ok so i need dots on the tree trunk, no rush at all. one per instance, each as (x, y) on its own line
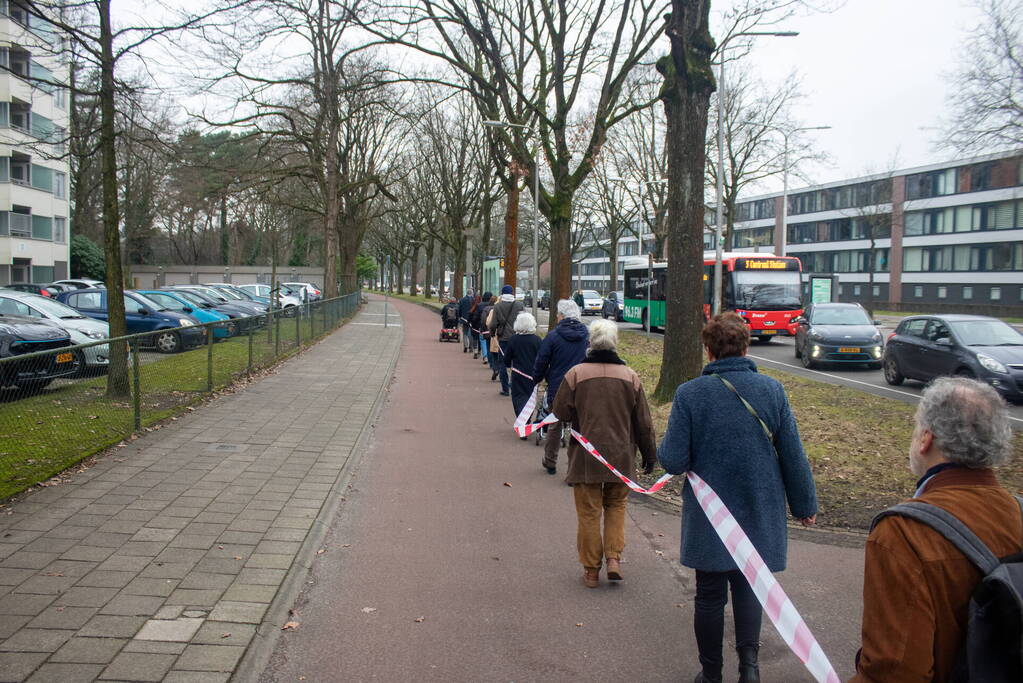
(428, 275)
(511, 234)
(330, 224)
(613, 280)
(117, 374)
(456, 285)
(401, 276)
(225, 237)
(441, 271)
(561, 259)
(349, 266)
(689, 82)
(414, 290)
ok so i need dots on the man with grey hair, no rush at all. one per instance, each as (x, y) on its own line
(917, 585)
(563, 348)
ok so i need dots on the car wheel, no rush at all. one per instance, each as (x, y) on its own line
(892, 375)
(966, 372)
(603, 314)
(799, 354)
(808, 362)
(167, 341)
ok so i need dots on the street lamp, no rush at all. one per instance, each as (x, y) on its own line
(536, 203)
(720, 213)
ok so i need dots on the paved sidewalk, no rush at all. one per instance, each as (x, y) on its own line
(174, 558)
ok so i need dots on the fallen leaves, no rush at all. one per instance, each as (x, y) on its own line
(579, 624)
(225, 635)
(321, 551)
(507, 484)
(369, 610)
(419, 620)
(290, 626)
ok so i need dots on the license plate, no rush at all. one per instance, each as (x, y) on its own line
(849, 349)
(65, 357)
(768, 332)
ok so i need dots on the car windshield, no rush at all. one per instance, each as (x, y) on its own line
(230, 294)
(986, 333)
(767, 290)
(242, 294)
(590, 294)
(55, 308)
(213, 295)
(146, 301)
(839, 316)
(194, 297)
(167, 301)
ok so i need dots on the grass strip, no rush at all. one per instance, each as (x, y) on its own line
(857, 443)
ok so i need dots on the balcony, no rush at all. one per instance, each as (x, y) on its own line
(20, 224)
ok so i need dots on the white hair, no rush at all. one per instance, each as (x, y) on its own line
(603, 335)
(969, 421)
(568, 309)
(525, 323)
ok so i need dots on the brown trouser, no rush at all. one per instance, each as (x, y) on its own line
(592, 501)
(552, 441)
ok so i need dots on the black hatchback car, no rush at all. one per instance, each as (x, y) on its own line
(837, 333)
(927, 346)
(23, 341)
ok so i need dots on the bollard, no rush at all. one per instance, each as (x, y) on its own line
(136, 394)
(209, 359)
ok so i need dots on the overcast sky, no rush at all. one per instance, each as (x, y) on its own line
(875, 70)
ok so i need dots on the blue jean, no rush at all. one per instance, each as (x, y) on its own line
(484, 347)
(501, 368)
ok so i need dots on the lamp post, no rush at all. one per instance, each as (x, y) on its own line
(536, 202)
(720, 212)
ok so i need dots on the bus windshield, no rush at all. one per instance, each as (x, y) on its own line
(767, 290)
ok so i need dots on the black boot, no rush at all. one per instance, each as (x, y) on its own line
(749, 670)
(705, 677)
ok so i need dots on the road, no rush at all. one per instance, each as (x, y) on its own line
(453, 558)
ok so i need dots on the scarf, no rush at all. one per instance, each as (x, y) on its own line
(603, 356)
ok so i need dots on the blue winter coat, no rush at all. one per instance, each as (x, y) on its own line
(464, 304)
(563, 348)
(711, 433)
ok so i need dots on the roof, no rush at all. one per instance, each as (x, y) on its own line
(952, 317)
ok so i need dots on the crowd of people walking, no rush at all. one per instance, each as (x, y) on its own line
(733, 426)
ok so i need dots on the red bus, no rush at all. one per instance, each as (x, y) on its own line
(764, 289)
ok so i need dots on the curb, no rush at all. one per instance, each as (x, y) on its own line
(257, 656)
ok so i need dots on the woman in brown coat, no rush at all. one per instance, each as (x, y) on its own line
(604, 401)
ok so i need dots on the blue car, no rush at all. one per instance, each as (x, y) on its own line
(172, 331)
(174, 302)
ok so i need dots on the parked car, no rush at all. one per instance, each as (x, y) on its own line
(286, 297)
(240, 314)
(593, 303)
(220, 298)
(837, 333)
(172, 331)
(41, 290)
(545, 300)
(20, 335)
(173, 301)
(311, 291)
(82, 329)
(84, 283)
(927, 346)
(614, 306)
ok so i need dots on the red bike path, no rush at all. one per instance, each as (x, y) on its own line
(452, 557)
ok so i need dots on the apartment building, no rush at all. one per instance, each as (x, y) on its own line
(942, 236)
(34, 210)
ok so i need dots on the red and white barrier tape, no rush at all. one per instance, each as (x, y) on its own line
(527, 411)
(772, 597)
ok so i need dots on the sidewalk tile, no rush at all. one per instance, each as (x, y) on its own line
(107, 626)
(225, 633)
(104, 579)
(195, 598)
(9, 624)
(129, 666)
(132, 605)
(155, 587)
(24, 604)
(154, 647)
(242, 612)
(62, 617)
(242, 592)
(36, 640)
(176, 676)
(86, 596)
(176, 630)
(47, 585)
(87, 553)
(66, 673)
(210, 658)
(17, 666)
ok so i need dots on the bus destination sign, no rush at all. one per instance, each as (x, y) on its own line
(766, 264)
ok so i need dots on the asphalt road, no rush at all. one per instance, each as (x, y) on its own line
(452, 558)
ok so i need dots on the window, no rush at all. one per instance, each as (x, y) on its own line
(21, 169)
(967, 292)
(877, 291)
(20, 115)
(60, 185)
(856, 290)
(932, 184)
(59, 230)
(918, 291)
(942, 292)
(980, 177)
(42, 274)
(996, 293)
(60, 98)
(87, 301)
(20, 220)
(12, 307)
(913, 328)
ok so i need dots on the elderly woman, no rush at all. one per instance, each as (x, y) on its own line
(519, 355)
(603, 400)
(712, 432)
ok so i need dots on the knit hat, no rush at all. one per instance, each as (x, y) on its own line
(507, 289)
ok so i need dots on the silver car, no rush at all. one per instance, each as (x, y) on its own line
(83, 330)
(311, 291)
(285, 299)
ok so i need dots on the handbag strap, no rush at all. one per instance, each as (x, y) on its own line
(751, 409)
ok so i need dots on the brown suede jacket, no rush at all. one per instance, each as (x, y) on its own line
(916, 585)
(604, 401)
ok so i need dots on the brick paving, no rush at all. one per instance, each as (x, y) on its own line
(173, 558)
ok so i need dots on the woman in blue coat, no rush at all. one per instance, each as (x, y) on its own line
(712, 433)
(519, 356)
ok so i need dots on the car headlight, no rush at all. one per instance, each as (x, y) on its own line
(185, 323)
(877, 337)
(816, 351)
(991, 364)
(877, 351)
(816, 336)
(94, 334)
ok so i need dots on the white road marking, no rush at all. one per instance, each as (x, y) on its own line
(840, 378)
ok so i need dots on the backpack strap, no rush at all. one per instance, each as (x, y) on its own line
(950, 527)
(750, 408)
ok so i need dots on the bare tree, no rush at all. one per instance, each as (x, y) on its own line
(535, 63)
(688, 84)
(607, 197)
(987, 89)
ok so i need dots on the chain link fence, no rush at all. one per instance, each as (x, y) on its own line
(60, 404)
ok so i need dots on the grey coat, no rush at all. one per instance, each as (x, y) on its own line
(711, 433)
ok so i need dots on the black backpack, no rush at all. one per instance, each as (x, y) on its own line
(993, 649)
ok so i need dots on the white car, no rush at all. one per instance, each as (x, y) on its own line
(312, 292)
(83, 283)
(593, 303)
(285, 299)
(82, 329)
